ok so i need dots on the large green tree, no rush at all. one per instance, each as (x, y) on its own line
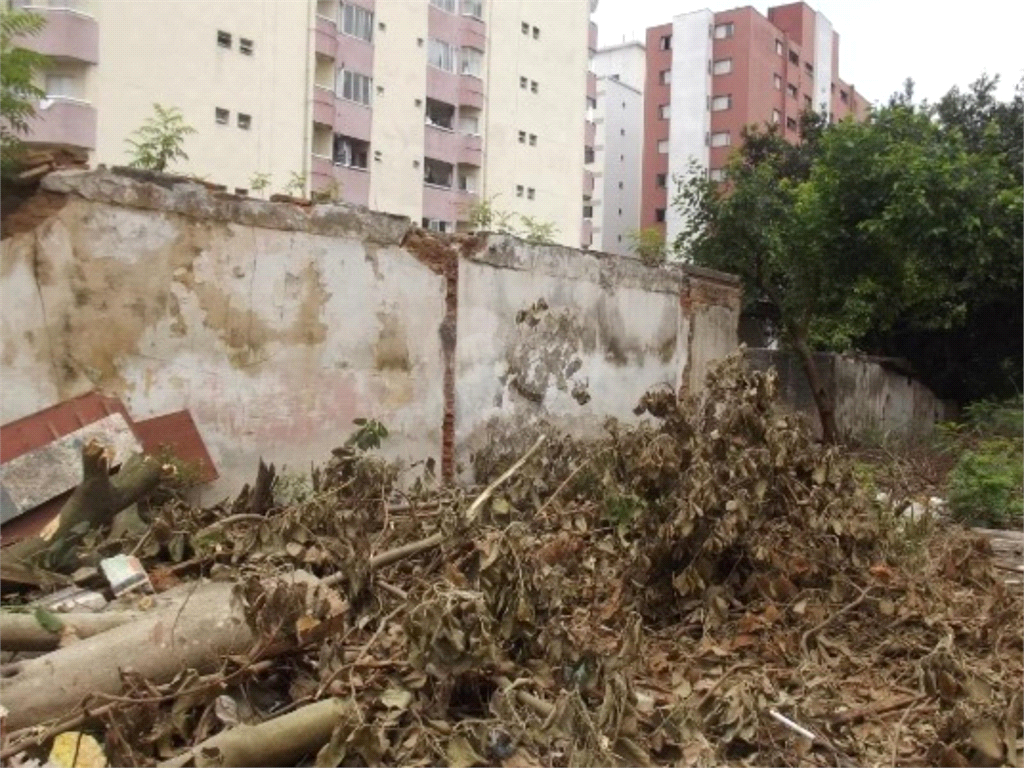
(899, 235)
(19, 71)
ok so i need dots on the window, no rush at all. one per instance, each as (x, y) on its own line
(244, 121)
(807, 101)
(223, 39)
(436, 225)
(522, 82)
(469, 124)
(665, 77)
(663, 147)
(522, 137)
(777, 82)
(536, 33)
(659, 215)
(661, 180)
(533, 139)
(843, 97)
(533, 86)
(622, 131)
(437, 173)
(519, 190)
(588, 154)
(717, 174)
(349, 152)
(722, 67)
(666, 42)
(778, 47)
(793, 58)
(620, 185)
(245, 46)
(722, 31)
(448, 6)
(620, 211)
(467, 183)
(221, 115)
(526, 28)
(791, 123)
(473, 8)
(809, 67)
(529, 193)
(241, 191)
(355, 87)
(357, 22)
(58, 86)
(792, 90)
(441, 55)
(440, 114)
(721, 139)
(588, 211)
(776, 116)
(471, 61)
(664, 111)
(720, 103)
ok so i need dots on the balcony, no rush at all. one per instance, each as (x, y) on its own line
(442, 143)
(466, 29)
(352, 185)
(589, 134)
(323, 105)
(68, 34)
(587, 234)
(592, 37)
(67, 122)
(352, 118)
(446, 204)
(588, 183)
(470, 150)
(355, 53)
(471, 92)
(591, 85)
(326, 37)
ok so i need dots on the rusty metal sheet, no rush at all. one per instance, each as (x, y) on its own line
(46, 472)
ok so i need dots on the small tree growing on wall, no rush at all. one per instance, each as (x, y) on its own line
(19, 93)
(160, 140)
(649, 245)
(483, 216)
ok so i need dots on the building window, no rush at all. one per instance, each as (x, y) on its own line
(474, 8)
(440, 114)
(792, 90)
(807, 101)
(441, 55)
(777, 82)
(666, 42)
(357, 22)
(717, 174)
(588, 211)
(522, 137)
(620, 185)
(223, 39)
(843, 97)
(533, 139)
(525, 27)
(244, 121)
(622, 131)
(720, 103)
(350, 153)
(522, 82)
(470, 124)
(791, 123)
(793, 58)
(437, 173)
(778, 47)
(665, 77)
(661, 181)
(809, 67)
(355, 87)
(519, 190)
(448, 6)
(245, 46)
(467, 183)
(776, 116)
(471, 61)
(588, 155)
(722, 67)
(722, 31)
(529, 193)
(533, 86)
(664, 111)
(659, 215)
(721, 139)
(62, 86)
(663, 147)
(536, 33)
(221, 115)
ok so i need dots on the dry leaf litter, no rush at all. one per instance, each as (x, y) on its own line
(710, 587)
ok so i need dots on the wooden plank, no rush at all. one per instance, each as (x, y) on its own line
(44, 473)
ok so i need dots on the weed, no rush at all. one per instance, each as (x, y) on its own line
(984, 487)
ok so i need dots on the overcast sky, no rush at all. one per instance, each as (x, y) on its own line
(881, 42)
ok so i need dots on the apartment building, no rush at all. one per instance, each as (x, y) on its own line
(711, 74)
(616, 161)
(414, 107)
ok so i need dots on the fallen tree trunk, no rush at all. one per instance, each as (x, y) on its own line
(281, 741)
(23, 632)
(196, 630)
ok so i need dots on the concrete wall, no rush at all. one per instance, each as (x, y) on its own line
(871, 398)
(276, 325)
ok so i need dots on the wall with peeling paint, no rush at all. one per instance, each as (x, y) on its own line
(278, 324)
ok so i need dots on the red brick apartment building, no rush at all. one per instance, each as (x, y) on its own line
(710, 74)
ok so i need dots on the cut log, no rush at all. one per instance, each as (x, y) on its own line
(281, 741)
(23, 632)
(195, 630)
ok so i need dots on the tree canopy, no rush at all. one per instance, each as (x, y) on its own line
(898, 235)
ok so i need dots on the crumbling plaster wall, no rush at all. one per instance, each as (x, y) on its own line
(278, 324)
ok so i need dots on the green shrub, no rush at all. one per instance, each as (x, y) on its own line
(984, 487)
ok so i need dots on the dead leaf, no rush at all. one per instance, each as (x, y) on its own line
(461, 753)
(986, 739)
(396, 698)
(73, 749)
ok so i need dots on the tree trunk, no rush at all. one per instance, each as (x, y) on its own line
(823, 399)
(23, 632)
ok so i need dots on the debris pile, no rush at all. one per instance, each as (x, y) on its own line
(39, 162)
(709, 587)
